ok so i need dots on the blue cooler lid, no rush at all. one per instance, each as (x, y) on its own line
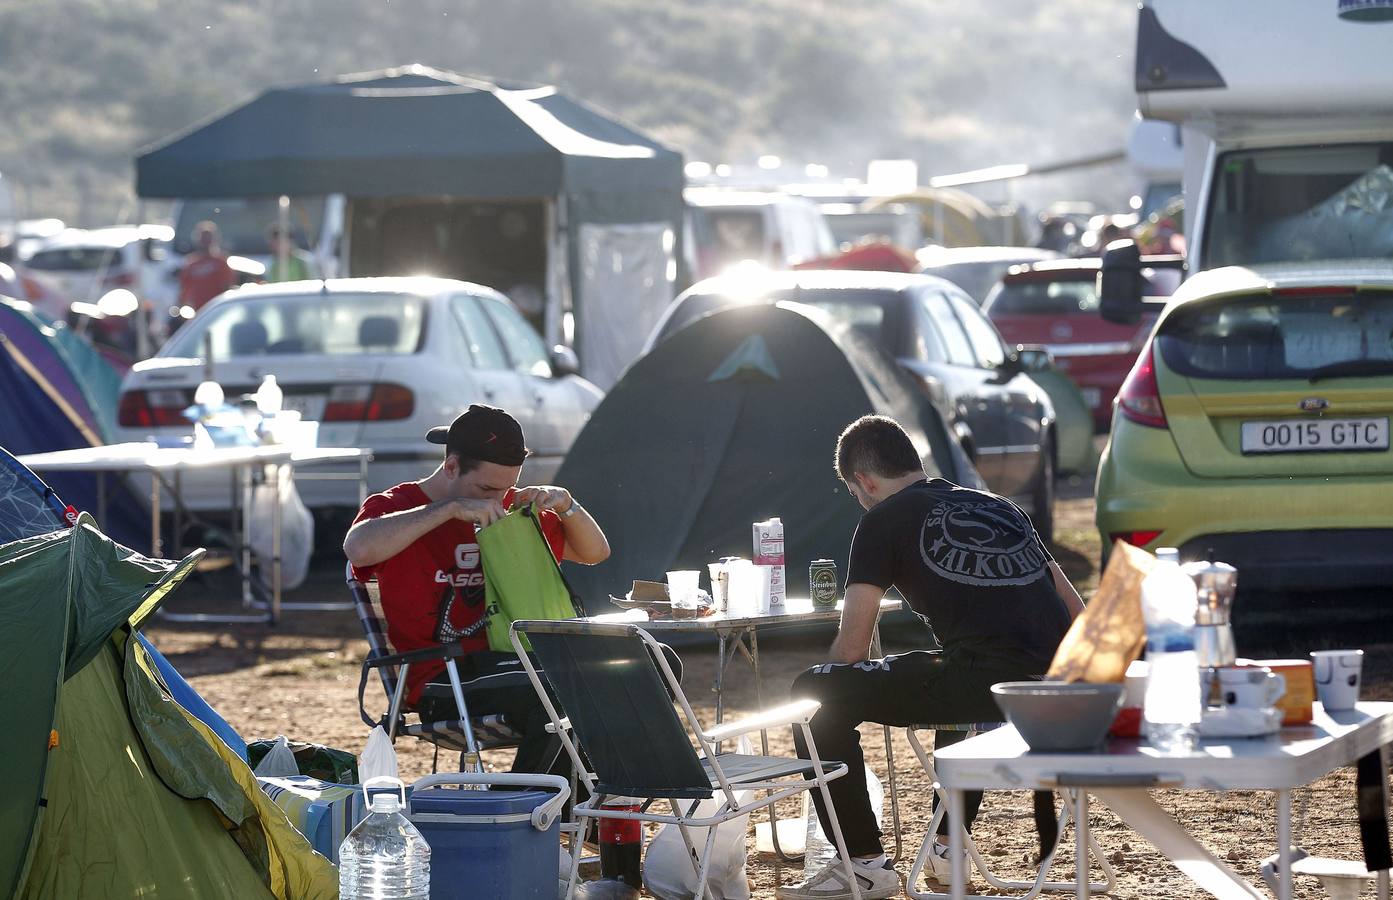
(451, 801)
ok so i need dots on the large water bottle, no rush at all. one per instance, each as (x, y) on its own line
(384, 857)
(817, 849)
(1171, 710)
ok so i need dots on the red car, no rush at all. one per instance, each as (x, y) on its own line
(1055, 303)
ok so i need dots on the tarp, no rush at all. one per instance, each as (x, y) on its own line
(412, 131)
(113, 789)
(762, 394)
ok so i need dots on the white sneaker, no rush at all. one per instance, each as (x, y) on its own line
(940, 864)
(829, 883)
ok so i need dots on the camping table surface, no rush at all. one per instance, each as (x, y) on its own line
(1121, 775)
(166, 464)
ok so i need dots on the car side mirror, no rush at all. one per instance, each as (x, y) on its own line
(1120, 284)
(1034, 357)
(564, 361)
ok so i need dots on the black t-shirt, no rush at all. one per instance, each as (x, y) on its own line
(971, 564)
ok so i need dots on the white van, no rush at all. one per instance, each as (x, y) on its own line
(727, 227)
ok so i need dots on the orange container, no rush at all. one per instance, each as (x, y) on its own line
(1295, 704)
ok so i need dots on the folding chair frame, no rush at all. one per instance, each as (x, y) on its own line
(393, 668)
(974, 855)
(797, 714)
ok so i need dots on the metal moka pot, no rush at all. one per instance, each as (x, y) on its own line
(1215, 584)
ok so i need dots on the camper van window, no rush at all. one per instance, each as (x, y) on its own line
(524, 347)
(338, 324)
(485, 349)
(1301, 204)
(242, 222)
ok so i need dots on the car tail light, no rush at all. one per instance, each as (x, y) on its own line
(1139, 398)
(369, 403)
(1135, 538)
(151, 409)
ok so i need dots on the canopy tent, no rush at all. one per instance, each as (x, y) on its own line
(52, 385)
(765, 391)
(416, 132)
(115, 790)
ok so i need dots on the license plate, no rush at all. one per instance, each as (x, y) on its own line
(1306, 435)
(309, 406)
(1091, 396)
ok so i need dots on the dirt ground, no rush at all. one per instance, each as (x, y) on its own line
(300, 679)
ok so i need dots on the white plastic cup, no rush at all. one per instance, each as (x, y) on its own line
(1338, 673)
(743, 597)
(682, 588)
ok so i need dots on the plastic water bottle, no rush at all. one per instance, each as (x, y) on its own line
(817, 849)
(1171, 710)
(269, 396)
(384, 857)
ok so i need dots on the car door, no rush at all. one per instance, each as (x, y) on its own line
(498, 384)
(552, 406)
(1014, 399)
(976, 415)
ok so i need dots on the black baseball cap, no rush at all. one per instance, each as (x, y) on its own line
(485, 433)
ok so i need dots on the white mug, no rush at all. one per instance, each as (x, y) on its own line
(1338, 673)
(1251, 687)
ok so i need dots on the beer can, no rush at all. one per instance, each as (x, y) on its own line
(822, 583)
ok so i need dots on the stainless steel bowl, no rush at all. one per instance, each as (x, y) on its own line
(1058, 716)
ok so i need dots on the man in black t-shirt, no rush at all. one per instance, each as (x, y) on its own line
(969, 563)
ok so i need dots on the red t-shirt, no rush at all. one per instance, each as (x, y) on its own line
(205, 276)
(433, 591)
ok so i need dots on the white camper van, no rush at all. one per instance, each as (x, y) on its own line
(1286, 119)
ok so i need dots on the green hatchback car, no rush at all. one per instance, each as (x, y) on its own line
(1255, 427)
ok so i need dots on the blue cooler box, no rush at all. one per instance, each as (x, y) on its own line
(491, 843)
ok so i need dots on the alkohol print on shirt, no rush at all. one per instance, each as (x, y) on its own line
(981, 542)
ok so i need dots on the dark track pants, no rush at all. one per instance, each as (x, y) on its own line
(915, 688)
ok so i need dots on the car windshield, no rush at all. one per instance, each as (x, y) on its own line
(1303, 203)
(1313, 337)
(1062, 298)
(242, 222)
(73, 259)
(333, 324)
(975, 278)
(728, 236)
(866, 311)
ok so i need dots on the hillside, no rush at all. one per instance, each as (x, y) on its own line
(953, 85)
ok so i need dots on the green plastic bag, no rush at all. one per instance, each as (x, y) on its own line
(521, 578)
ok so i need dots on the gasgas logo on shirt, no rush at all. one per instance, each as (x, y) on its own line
(981, 542)
(466, 572)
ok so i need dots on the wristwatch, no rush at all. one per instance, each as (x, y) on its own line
(570, 510)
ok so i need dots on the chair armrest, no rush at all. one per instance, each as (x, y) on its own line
(797, 712)
(438, 651)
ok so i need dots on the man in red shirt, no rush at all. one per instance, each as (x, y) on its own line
(418, 540)
(206, 272)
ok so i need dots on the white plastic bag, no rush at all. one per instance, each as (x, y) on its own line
(278, 762)
(667, 868)
(297, 528)
(379, 757)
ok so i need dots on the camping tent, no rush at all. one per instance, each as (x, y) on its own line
(606, 201)
(114, 790)
(56, 394)
(762, 392)
(27, 505)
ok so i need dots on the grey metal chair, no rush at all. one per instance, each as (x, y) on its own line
(625, 738)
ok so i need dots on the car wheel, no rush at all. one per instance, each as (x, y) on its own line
(1042, 497)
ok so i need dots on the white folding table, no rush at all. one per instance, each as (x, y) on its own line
(1121, 776)
(166, 465)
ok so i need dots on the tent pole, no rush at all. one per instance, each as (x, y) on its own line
(144, 312)
(283, 224)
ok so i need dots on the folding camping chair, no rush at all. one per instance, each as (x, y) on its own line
(613, 683)
(974, 855)
(466, 734)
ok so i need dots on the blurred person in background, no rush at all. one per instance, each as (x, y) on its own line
(288, 261)
(206, 272)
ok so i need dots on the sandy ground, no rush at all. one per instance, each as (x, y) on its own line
(300, 679)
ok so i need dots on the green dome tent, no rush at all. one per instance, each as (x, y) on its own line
(113, 789)
(731, 420)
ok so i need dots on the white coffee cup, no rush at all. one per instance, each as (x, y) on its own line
(1250, 687)
(1338, 673)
